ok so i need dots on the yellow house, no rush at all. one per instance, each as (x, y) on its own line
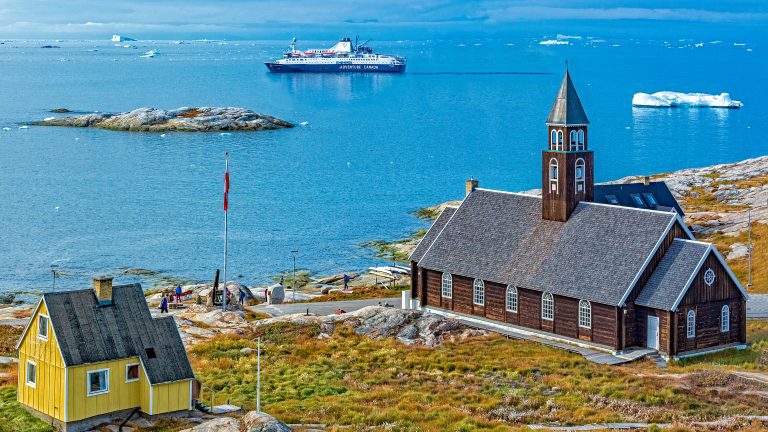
(97, 354)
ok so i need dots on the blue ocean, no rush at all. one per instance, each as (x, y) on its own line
(367, 149)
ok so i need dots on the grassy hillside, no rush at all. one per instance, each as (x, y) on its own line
(484, 383)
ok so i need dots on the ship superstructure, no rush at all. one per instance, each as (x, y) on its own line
(345, 56)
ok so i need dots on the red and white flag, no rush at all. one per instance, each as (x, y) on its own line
(226, 187)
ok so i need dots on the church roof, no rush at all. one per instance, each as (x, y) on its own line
(627, 195)
(437, 226)
(597, 255)
(673, 274)
(89, 333)
(567, 109)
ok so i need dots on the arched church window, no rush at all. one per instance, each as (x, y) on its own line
(559, 140)
(573, 141)
(580, 174)
(581, 139)
(553, 140)
(553, 173)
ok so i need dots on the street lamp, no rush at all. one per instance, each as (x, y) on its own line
(294, 252)
(53, 271)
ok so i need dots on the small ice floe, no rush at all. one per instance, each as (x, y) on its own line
(461, 45)
(130, 46)
(24, 127)
(56, 208)
(225, 134)
(699, 45)
(551, 42)
(48, 118)
(739, 44)
(6, 128)
(304, 123)
(162, 135)
(749, 49)
(562, 36)
(150, 53)
(669, 99)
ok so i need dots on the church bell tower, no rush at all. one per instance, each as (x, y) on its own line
(567, 163)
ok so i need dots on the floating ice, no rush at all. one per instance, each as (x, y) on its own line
(24, 127)
(6, 128)
(304, 123)
(554, 42)
(225, 134)
(667, 99)
(150, 53)
(562, 36)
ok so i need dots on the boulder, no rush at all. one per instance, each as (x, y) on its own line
(186, 119)
(262, 422)
(60, 110)
(276, 294)
(221, 424)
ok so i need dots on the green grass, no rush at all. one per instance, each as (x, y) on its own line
(361, 293)
(483, 383)
(14, 418)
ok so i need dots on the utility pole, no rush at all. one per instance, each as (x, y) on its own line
(749, 248)
(294, 252)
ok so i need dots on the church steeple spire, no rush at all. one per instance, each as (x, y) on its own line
(567, 109)
(567, 176)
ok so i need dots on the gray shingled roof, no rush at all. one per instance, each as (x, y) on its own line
(567, 109)
(434, 230)
(501, 237)
(88, 333)
(671, 276)
(622, 191)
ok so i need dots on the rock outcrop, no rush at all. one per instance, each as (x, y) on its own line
(205, 119)
(412, 327)
(251, 422)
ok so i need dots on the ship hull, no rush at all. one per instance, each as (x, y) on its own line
(334, 68)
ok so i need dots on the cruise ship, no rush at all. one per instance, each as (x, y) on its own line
(345, 56)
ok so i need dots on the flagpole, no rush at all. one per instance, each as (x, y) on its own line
(226, 212)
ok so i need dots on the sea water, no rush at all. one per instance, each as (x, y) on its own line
(367, 149)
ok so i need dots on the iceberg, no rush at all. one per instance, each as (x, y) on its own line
(554, 42)
(669, 99)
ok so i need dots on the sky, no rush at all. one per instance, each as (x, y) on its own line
(281, 19)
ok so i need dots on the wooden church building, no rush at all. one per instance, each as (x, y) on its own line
(604, 274)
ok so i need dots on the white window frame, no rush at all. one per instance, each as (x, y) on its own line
(580, 135)
(553, 140)
(548, 302)
(47, 325)
(559, 140)
(511, 299)
(585, 314)
(553, 180)
(690, 324)
(446, 286)
(725, 319)
(580, 163)
(128, 366)
(88, 374)
(573, 141)
(29, 383)
(478, 292)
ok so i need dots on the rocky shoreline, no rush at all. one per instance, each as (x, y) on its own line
(185, 119)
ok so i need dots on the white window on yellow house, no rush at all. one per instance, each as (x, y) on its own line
(98, 382)
(42, 327)
(131, 372)
(31, 373)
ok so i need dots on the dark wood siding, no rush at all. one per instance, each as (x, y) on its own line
(631, 321)
(707, 303)
(559, 205)
(642, 314)
(566, 323)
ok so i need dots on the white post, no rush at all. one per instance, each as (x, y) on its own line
(226, 213)
(405, 300)
(258, 374)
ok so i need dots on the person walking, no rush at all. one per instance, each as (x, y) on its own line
(346, 281)
(241, 296)
(178, 294)
(164, 305)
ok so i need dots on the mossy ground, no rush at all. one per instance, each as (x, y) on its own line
(361, 293)
(482, 383)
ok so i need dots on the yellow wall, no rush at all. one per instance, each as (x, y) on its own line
(121, 395)
(48, 394)
(171, 397)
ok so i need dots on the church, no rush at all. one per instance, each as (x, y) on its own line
(611, 267)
